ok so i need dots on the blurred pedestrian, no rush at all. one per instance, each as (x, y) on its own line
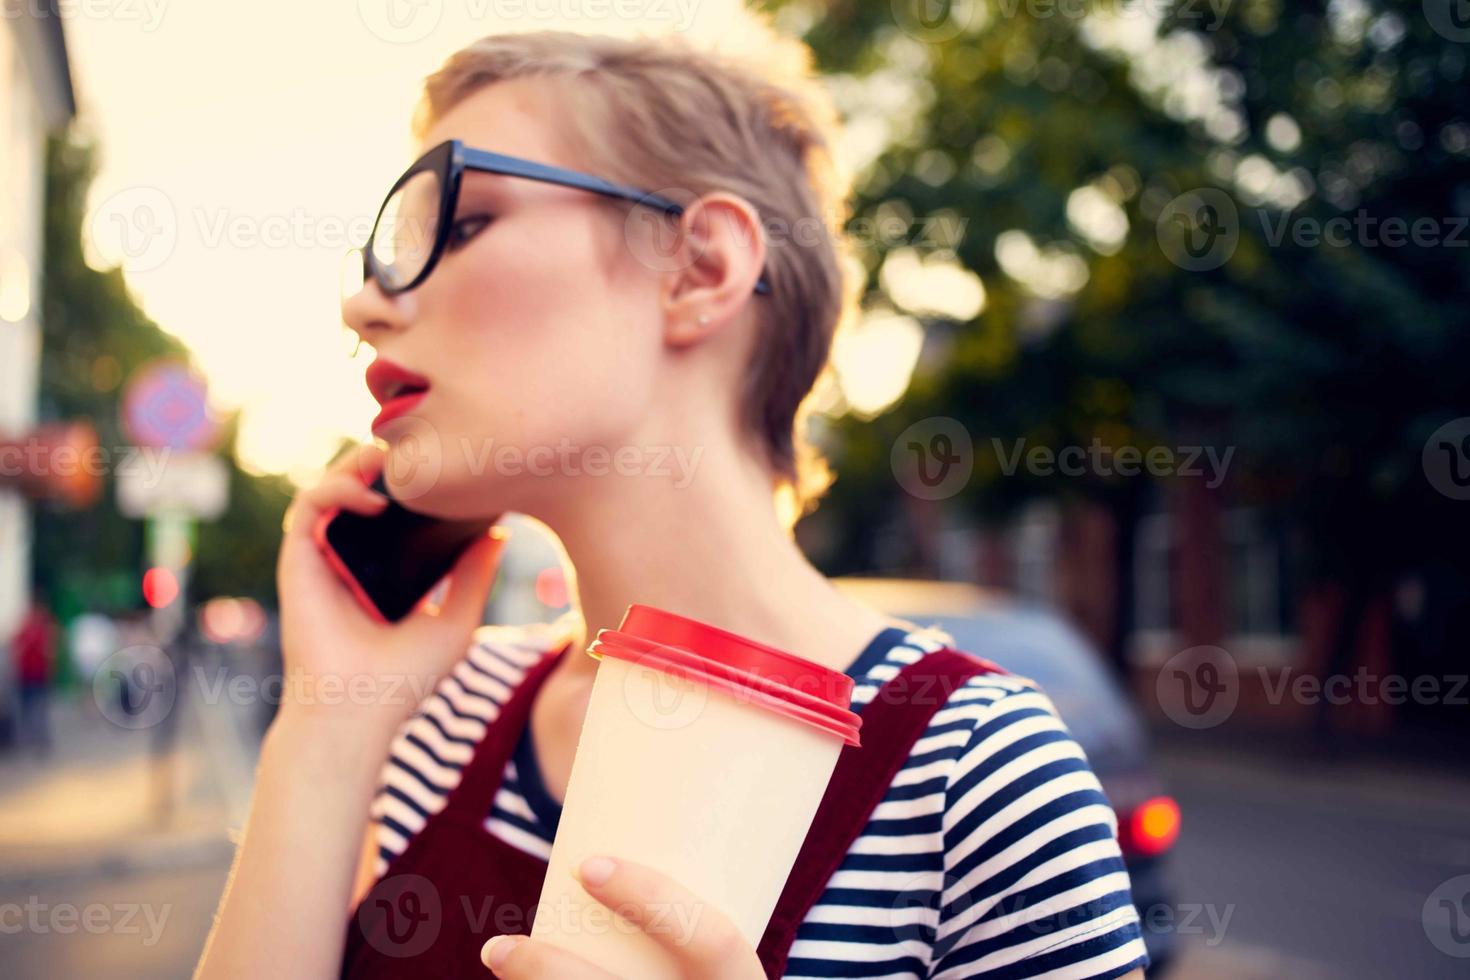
(34, 648)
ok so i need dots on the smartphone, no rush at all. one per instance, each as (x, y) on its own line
(392, 559)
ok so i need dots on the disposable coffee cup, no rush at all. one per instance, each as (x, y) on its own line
(703, 755)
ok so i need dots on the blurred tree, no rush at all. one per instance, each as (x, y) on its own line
(94, 337)
(237, 553)
(1136, 186)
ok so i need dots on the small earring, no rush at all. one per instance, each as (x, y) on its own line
(703, 319)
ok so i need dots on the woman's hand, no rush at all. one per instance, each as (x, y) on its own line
(705, 943)
(339, 662)
(349, 682)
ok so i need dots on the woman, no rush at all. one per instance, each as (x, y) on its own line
(556, 351)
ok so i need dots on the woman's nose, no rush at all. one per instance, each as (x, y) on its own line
(370, 313)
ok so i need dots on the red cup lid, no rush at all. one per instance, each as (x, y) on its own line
(751, 672)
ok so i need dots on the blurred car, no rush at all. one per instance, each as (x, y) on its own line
(1038, 644)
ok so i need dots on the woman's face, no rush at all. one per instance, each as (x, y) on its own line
(538, 332)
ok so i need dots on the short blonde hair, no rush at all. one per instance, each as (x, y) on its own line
(658, 113)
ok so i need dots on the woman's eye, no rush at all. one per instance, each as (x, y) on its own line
(466, 228)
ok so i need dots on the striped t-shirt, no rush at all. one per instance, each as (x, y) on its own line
(993, 854)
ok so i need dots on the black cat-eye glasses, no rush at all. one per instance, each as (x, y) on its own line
(417, 217)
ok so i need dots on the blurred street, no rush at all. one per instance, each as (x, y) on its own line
(1115, 341)
(114, 852)
(1283, 869)
(1315, 871)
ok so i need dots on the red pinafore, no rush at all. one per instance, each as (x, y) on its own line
(456, 885)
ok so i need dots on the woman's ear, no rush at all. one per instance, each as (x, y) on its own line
(722, 253)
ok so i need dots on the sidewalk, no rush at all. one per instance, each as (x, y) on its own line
(108, 798)
(114, 849)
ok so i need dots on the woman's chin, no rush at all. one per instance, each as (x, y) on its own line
(446, 498)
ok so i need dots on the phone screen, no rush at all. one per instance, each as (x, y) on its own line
(397, 556)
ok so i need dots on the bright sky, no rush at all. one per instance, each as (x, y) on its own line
(245, 147)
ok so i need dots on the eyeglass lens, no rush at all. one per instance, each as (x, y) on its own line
(404, 236)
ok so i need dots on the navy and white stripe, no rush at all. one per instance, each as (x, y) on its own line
(993, 853)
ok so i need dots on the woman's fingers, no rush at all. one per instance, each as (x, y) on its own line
(706, 943)
(472, 578)
(522, 958)
(458, 599)
(344, 485)
(344, 491)
(365, 459)
(299, 567)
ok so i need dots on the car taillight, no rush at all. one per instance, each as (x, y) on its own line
(1151, 829)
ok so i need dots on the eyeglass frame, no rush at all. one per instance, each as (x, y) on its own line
(451, 158)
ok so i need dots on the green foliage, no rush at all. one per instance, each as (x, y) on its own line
(94, 337)
(1325, 367)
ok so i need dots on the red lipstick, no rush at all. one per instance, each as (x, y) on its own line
(397, 389)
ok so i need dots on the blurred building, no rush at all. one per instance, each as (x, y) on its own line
(36, 98)
(1198, 568)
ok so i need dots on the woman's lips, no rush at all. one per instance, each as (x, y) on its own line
(396, 406)
(396, 388)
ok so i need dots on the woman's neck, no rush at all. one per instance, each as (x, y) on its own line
(713, 550)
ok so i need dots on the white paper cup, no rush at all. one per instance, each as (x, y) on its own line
(703, 755)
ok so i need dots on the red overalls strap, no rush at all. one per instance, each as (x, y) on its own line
(893, 721)
(456, 885)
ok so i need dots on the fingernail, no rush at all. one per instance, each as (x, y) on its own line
(595, 871)
(497, 949)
